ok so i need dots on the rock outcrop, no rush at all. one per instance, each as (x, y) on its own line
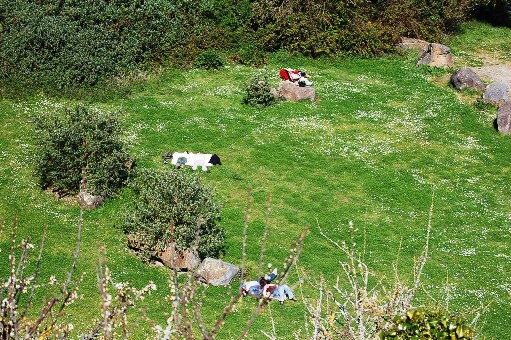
(437, 55)
(291, 91)
(504, 118)
(179, 260)
(216, 272)
(496, 93)
(407, 44)
(88, 201)
(467, 78)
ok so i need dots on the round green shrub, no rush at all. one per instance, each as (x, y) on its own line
(428, 324)
(209, 60)
(173, 206)
(81, 147)
(258, 92)
(253, 55)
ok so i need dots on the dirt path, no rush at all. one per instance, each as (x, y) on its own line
(491, 73)
(494, 70)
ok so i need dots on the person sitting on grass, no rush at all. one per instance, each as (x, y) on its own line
(255, 288)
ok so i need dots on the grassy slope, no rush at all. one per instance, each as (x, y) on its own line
(372, 149)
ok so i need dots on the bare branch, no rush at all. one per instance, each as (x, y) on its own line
(245, 227)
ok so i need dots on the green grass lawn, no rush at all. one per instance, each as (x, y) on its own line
(380, 139)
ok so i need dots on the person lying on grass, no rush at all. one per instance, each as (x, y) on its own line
(278, 292)
(255, 288)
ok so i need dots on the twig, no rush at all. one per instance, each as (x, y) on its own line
(245, 226)
(36, 274)
(265, 235)
(296, 250)
(64, 294)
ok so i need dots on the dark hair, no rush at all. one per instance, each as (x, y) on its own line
(262, 282)
(271, 289)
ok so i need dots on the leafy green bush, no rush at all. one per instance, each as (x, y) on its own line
(62, 46)
(428, 324)
(251, 54)
(173, 206)
(258, 92)
(361, 27)
(208, 60)
(81, 148)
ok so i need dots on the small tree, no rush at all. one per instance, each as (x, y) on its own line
(258, 92)
(81, 148)
(173, 206)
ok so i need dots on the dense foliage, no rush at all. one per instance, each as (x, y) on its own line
(360, 27)
(81, 148)
(62, 46)
(209, 60)
(428, 324)
(173, 206)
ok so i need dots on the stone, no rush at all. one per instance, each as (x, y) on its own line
(88, 201)
(437, 55)
(408, 44)
(291, 91)
(496, 93)
(504, 118)
(216, 272)
(179, 260)
(466, 77)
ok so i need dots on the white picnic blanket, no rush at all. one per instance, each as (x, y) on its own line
(193, 159)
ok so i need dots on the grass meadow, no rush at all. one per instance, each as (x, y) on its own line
(378, 143)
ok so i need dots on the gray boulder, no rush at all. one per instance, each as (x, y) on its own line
(216, 272)
(291, 91)
(466, 77)
(179, 260)
(496, 93)
(437, 55)
(504, 118)
(88, 201)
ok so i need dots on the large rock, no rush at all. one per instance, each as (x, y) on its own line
(216, 272)
(408, 44)
(291, 91)
(89, 201)
(180, 260)
(504, 118)
(496, 93)
(466, 77)
(437, 55)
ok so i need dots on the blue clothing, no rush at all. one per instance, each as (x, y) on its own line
(270, 277)
(281, 292)
(255, 291)
(250, 288)
(253, 288)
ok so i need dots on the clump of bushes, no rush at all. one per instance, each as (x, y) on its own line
(173, 206)
(428, 324)
(60, 47)
(209, 59)
(81, 148)
(258, 92)
(252, 54)
(359, 27)
(63, 47)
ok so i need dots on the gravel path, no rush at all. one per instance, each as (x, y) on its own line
(499, 72)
